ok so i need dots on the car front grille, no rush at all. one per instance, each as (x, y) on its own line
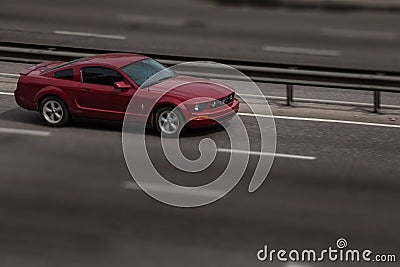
(222, 101)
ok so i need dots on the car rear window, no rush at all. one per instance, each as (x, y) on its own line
(61, 65)
(67, 74)
(100, 75)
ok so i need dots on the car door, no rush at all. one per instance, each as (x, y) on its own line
(98, 97)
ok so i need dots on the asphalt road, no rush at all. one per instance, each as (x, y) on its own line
(199, 28)
(67, 198)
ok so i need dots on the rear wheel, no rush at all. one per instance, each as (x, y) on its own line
(169, 121)
(54, 112)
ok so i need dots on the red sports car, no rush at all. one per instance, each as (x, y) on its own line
(102, 87)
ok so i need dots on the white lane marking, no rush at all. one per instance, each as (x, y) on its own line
(277, 155)
(90, 34)
(143, 19)
(382, 35)
(303, 51)
(6, 93)
(9, 75)
(298, 118)
(265, 96)
(23, 132)
(319, 101)
(320, 120)
(166, 189)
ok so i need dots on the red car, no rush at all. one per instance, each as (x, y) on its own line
(102, 87)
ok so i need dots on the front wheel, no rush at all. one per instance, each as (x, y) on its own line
(54, 112)
(169, 121)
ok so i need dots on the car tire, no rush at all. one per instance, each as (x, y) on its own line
(54, 112)
(169, 122)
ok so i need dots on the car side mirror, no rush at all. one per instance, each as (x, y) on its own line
(121, 85)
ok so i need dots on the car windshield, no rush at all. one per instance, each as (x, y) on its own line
(142, 70)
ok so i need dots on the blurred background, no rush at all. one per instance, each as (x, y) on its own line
(348, 33)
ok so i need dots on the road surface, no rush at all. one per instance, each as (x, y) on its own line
(67, 198)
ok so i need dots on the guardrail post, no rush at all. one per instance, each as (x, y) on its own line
(377, 101)
(289, 94)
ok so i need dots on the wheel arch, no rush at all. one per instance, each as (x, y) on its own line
(166, 104)
(52, 91)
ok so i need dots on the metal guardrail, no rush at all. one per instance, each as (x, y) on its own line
(289, 75)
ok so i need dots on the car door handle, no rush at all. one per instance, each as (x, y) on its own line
(87, 91)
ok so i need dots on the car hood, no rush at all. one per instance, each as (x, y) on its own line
(191, 87)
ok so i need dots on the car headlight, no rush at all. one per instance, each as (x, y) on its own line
(200, 107)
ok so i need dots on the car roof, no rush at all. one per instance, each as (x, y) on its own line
(117, 60)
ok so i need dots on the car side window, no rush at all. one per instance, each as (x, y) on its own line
(100, 75)
(67, 74)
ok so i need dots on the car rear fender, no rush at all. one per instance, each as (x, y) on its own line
(52, 90)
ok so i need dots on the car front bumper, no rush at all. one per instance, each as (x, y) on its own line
(212, 117)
